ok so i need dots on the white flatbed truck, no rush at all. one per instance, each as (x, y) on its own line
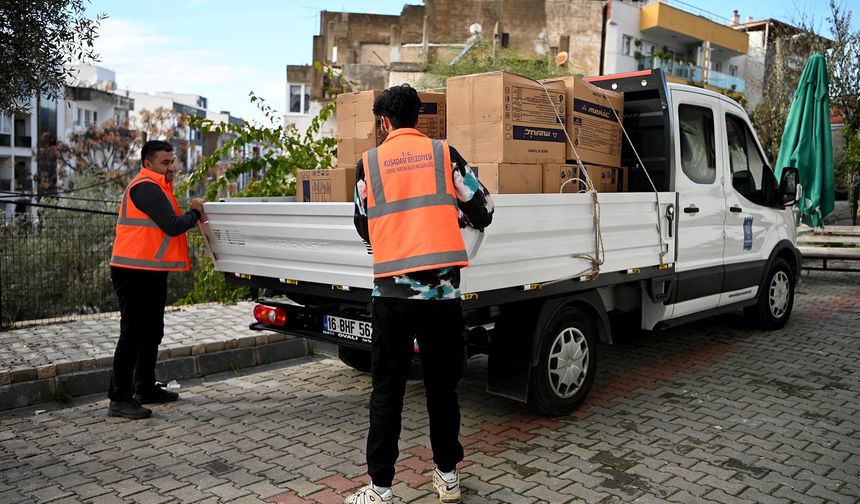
(716, 235)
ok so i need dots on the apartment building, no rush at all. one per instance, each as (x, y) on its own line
(18, 168)
(689, 47)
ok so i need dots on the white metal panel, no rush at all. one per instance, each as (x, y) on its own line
(533, 239)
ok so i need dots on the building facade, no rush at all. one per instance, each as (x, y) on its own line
(18, 168)
(690, 48)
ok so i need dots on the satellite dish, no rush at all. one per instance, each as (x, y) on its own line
(561, 58)
(475, 28)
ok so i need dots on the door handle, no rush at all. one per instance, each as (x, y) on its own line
(735, 209)
(691, 209)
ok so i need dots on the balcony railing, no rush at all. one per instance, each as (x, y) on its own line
(721, 80)
(670, 66)
(5, 140)
(685, 70)
(23, 141)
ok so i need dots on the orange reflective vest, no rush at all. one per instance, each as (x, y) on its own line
(139, 242)
(411, 205)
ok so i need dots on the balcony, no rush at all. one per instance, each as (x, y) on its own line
(666, 21)
(688, 71)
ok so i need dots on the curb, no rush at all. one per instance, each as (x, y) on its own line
(62, 381)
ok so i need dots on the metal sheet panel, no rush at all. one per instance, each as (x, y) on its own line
(533, 239)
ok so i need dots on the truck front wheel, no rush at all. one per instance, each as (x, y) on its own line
(567, 363)
(775, 302)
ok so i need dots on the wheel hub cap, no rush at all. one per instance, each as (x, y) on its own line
(778, 294)
(568, 362)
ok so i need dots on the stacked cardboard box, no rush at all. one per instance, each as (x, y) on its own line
(592, 122)
(334, 184)
(358, 130)
(592, 116)
(509, 178)
(507, 125)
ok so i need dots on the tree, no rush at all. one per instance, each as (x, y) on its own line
(844, 59)
(792, 47)
(281, 150)
(110, 151)
(39, 39)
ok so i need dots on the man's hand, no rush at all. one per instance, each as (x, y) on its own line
(197, 204)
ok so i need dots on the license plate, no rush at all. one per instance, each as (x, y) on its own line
(353, 330)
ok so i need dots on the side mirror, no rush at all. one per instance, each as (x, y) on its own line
(790, 189)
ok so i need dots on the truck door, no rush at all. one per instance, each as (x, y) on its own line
(751, 194)
(702, 208)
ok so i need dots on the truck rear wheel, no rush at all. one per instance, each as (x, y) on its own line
(355, 358)
(567, 363)
(775, 302)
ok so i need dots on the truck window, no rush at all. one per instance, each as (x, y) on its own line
(698, 158)
(746, 163)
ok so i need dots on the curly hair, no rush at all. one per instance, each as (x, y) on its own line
(400, 104)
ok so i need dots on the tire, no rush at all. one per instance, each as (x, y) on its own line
(776, 300)
(567, 363)
(355, 358)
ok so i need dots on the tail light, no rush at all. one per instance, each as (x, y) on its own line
(270, 315)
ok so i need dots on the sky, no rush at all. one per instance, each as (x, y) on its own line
(223, 49)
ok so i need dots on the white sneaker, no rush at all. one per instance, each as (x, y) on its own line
(449, 492)
(367, 495)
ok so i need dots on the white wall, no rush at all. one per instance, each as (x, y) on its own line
(303, 121)
(754, 69)
(624, 20)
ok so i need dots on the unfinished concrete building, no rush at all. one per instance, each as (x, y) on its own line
(373, 51)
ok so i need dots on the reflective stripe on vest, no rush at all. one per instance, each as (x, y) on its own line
(415, 261)
(440, 197)
(157, 262)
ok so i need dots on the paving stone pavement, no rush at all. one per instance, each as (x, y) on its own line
(43, 345)
(710, 412)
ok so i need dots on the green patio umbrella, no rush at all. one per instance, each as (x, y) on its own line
(806, 142)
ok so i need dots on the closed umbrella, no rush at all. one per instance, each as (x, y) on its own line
(806, 142)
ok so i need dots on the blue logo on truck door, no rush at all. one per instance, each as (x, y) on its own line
(748, 234)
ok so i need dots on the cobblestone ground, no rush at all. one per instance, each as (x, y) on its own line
(95, 338)
(711, 412)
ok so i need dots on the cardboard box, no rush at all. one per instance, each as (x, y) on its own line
(555, 175)
(604, 178)
(500, 117)
(333, 184)
(591, 124)
(358, 130)
(607, 178)
(509, 178)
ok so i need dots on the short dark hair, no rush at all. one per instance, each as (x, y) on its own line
(151, 147)
(400, 104)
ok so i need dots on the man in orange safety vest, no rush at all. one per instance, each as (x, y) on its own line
(412, 196)
(150, 241)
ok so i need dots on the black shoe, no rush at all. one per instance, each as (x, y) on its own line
(158, 395)
(128, 409)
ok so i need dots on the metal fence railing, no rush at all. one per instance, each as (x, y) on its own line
(57, 267)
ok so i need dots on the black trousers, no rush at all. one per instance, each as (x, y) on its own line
(142, 295)
(438, 325)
